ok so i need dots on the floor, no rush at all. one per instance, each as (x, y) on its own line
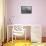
(23, 43)
(18, 43)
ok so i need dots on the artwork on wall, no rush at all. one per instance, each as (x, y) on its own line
(26, 9)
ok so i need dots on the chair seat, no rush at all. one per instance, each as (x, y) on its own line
(18, 33)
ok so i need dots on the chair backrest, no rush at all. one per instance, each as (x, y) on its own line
(18, 30)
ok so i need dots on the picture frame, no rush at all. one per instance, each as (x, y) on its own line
(26, 9)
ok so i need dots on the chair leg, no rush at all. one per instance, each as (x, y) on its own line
(15, 38)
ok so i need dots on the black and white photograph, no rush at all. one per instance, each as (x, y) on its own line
(26, 9)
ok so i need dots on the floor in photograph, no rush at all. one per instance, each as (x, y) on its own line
(23, 43)
(18, 43)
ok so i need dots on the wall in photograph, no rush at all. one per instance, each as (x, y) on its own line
(38, 15)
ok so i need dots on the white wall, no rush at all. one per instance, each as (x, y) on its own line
(38, 15)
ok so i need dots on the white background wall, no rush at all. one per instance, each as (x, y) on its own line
(38, 15)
